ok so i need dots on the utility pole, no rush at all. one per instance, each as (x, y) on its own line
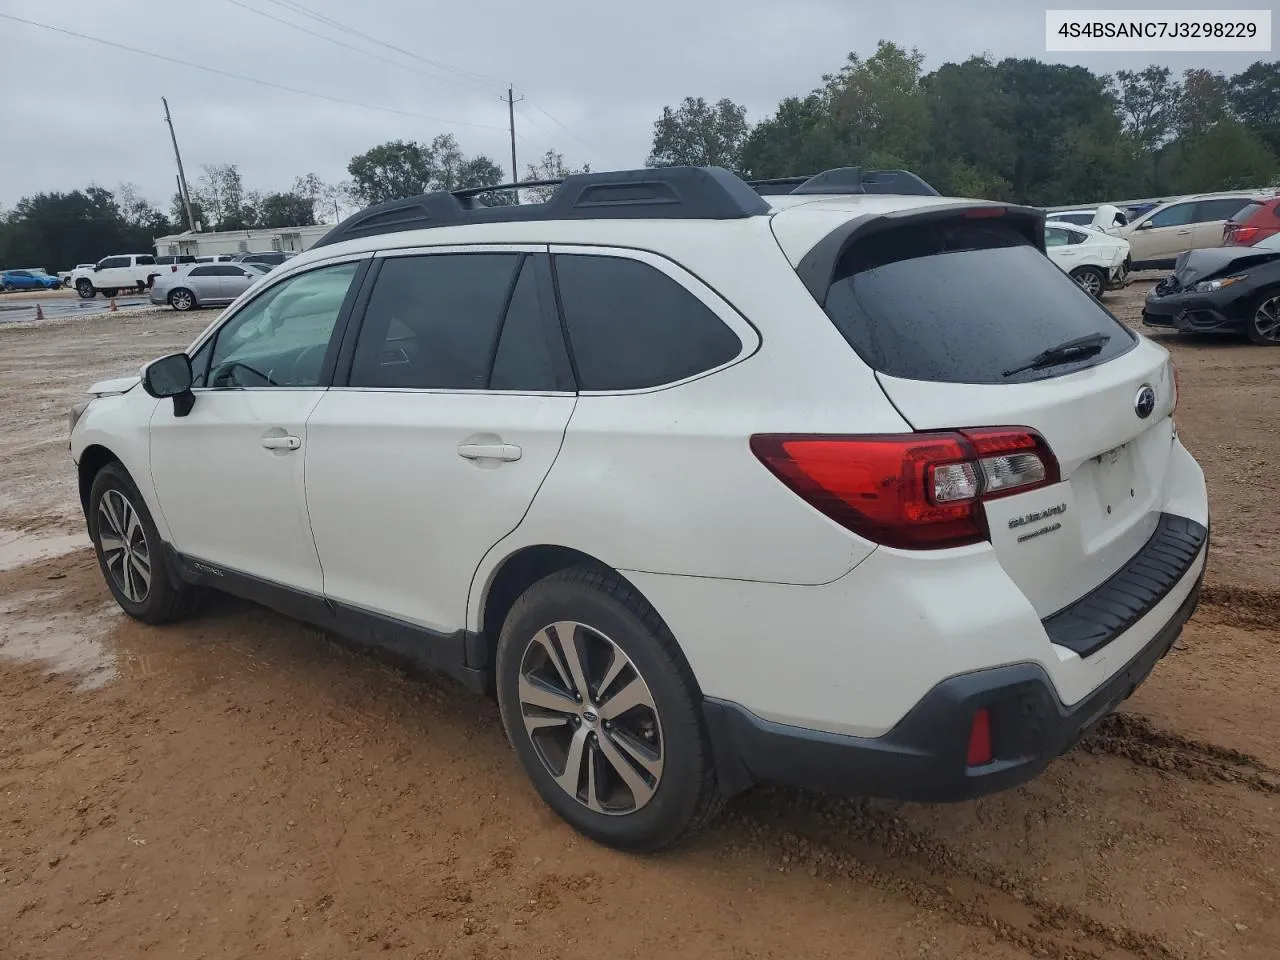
(183, 192)
(511, 120)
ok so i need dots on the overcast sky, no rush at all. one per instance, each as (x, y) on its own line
(594, 76)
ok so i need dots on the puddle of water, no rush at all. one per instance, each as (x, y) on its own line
(18, 548)
(68, 646)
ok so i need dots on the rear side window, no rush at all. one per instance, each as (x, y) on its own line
(962, 301)
(1220, 209)
(433, 321)
(203, 272)
(1245, 212)
(631, 326)
(147, 261)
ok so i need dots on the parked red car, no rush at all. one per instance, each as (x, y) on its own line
(1255, 221)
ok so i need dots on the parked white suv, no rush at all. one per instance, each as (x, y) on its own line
(855, 492)
(110, 275)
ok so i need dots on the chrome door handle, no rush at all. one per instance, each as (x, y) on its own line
(489, 451)
(281, 443)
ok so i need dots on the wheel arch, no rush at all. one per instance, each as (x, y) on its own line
(92, 459)
(492, 599)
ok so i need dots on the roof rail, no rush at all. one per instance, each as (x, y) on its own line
(847, 180)
(669, 193)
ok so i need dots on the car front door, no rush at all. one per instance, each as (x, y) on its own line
(229, 474)
(1212, 216)
(112, 273)
(1164, 234)
(432, 448)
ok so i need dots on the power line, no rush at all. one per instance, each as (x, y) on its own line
(561, 125)
(237, 76)
(345, 28)
(349, 46)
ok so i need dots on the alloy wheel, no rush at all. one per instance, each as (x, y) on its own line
(591, 718)
(123, 542)
(1266, 319)
(181, 300)
(1090, 283)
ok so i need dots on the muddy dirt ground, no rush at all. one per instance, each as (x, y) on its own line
(240, 785)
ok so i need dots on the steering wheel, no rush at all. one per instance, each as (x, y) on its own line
(300, 374)
(229, 366)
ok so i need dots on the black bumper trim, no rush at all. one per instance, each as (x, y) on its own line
(1115, 605)
(923, 758)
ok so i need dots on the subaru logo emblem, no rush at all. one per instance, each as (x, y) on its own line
(1144, 404)
(589, 715)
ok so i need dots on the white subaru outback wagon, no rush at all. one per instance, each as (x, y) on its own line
(811, 482)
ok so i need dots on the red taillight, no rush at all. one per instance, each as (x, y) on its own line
(914, 490)
(980, 739)
(1240, 236)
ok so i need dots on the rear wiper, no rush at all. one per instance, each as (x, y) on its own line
(1077, 349)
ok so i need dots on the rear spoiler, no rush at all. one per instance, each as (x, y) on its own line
(817, 267)
(847, 180)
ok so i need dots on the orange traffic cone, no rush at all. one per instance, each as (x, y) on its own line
(113, 308)
(39, 312)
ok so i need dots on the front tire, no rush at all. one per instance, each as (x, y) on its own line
(9, 288)
(1090, 280)
(1264, 320)
(604, 713)
(130, 552)
(182, 299)
(86, 290)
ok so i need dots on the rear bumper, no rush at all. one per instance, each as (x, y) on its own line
(923, 758)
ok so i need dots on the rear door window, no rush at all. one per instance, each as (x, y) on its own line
(1223, 209)
(631, 326)
(433, 321)
(962, 301)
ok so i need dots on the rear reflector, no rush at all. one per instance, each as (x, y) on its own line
(980, 739)
(915, 491)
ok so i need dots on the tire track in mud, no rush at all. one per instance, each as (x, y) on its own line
(862, 841)
(1135, 739)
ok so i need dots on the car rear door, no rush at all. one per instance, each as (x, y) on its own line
(1212, 217)
(449, 408)
(917, 308)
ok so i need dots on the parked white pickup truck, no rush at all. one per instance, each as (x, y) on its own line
(110, 275)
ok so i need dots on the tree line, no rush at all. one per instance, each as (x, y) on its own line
(57, 230)
(1014, 129)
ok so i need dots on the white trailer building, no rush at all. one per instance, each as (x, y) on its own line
(200, 244)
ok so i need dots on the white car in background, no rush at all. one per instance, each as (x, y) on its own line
(1095, 260)
(1106, 217)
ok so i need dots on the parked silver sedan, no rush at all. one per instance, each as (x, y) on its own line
(205, 284)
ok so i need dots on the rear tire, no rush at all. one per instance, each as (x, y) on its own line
(130, 553)
(182, 299)
(86, 290)
(639, 778)
(1264, 320)
(1090, 280)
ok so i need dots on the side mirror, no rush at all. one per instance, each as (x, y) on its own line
(96, 268)
(171, 377)
(1144, 225)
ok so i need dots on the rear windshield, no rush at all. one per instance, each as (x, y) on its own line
(1245, 212)
(962, 301)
